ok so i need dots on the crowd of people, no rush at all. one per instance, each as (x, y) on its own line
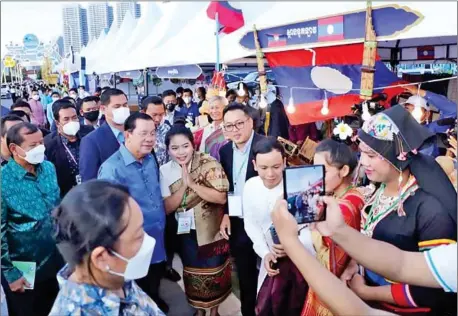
(99, 199)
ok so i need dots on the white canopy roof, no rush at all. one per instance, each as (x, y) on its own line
(185, 35)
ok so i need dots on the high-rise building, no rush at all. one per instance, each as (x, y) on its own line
(123, 7)
(60, 45)
(100, 18)
(75, 27)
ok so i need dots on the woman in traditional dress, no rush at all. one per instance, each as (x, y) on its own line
(339, 162)
(194, 186)
(213, 138)
(414, 209)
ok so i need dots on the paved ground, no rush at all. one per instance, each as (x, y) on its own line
(173, 294)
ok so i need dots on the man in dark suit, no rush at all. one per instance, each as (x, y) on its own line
(104, 141)
(62, 146)
(237, 161)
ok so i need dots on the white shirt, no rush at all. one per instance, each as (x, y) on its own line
(170, 173)
(442, 261)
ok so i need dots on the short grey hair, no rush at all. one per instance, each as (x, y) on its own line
(218, 98)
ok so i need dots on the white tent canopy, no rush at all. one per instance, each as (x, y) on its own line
(185, 35)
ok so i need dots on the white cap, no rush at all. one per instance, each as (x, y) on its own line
(417, 100)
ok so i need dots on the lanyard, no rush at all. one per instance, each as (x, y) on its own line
(70, 153)
(236, 179)
(345, 191)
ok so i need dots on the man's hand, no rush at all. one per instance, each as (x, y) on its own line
(414, 90)
(284, 222)
(334, 219)
(278, 251)
(18, 285)
(268, 259)
(358, 285)
(349, 271)
(225, 227)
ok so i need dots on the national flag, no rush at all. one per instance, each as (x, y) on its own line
(425, 52)
(293, 69)
(331, 29)
(276, 40)
(229, 17)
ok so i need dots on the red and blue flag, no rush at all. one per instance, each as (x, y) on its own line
(229, 17)
(425, 52)
(294, 69)
(331, 29)
(276, 40)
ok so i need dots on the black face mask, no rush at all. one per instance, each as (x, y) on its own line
(171, 107)
(91, 116)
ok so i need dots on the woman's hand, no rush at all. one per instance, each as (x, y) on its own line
(358, 285)
(268, 260)
(349, 271)
(278, 250)
(187, 180)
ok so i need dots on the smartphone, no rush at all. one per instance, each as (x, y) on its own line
(274, 235)
(303, 187)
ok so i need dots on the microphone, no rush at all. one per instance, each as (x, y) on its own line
(448, 121)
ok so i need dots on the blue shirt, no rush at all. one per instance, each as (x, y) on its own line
(118, 134)
(191, 112)
(87, 299)
(239, 166)
(142, 179)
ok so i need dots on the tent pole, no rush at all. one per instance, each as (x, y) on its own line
(217, 42)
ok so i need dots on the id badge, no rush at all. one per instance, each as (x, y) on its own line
(235, 204)
(184, 223)
(78, 179)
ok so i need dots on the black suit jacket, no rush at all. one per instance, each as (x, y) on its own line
(239, 239)
(56, 153)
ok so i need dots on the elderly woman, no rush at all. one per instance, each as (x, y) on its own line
(99, 232)
(213, 138)
(194, 186)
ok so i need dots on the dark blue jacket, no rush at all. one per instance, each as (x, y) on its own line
(95, 148)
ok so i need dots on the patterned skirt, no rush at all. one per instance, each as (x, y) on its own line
(207, 281)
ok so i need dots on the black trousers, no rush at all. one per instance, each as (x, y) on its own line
(246, 261)
(151, 282)
(36, 302)
(172, 245)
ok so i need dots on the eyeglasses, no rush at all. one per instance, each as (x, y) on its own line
(237, 126)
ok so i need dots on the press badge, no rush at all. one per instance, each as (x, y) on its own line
(184, 223)
(235, 204)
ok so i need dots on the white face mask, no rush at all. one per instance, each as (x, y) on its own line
(71, 128)
(35, 155)
(187, 100)
(35, 97)
(137, 266)
(120, 115)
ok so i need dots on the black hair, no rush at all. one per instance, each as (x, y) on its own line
(131, 122)
(88, 217)
(55, 93)
(180, 90)
(230, 92)
(168, 93)
(21, 114)
(90, 98)
(203, 91)
(107, 94)
(188, 90)
(13, 136)
(267, 145)
(151, 100)
(69, 99)
(61, 105)
(82, 87)
(339, 154)
(98, 89)
(9, 118)
(106, 88)
(34, 90)
(21, 104)
(234, 106)
(178, 129)
(73, 90)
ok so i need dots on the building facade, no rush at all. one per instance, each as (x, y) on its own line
(124, 6)
(100, 18)
(74, 27)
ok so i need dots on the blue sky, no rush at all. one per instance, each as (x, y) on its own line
(299, 179)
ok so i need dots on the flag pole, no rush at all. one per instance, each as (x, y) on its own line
(217, 42)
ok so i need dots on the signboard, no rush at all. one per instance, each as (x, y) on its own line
(134, 74)
(348, 27)
(30, 41)
(179, 72)
(9, 63)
